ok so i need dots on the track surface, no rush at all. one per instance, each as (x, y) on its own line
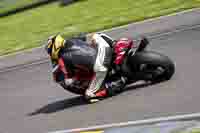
(32, 103)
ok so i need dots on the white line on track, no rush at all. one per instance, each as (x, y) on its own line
(38, 62)
(153, 19)
(186, 28)
(134, 123)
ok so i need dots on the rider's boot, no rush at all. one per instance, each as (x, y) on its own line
(97, 96)
(110, 89)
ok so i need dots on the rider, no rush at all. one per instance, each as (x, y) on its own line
(76, 52)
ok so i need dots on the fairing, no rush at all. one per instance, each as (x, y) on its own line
(121, 48)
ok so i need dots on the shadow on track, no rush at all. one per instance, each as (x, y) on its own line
(59, 105)
(76, 101)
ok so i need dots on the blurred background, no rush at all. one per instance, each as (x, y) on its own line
(9, 7)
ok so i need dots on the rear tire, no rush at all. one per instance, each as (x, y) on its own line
(152, 60)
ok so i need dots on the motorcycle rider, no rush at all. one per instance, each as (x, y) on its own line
(68, 53)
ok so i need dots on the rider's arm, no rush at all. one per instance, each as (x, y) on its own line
(62, 67)
(61, 74)
(59, 66)
(55, 68)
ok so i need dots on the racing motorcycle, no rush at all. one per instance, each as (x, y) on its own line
(138, 64)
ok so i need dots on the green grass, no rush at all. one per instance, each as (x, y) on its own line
(28, 29)
(7, 5)
(195, 130)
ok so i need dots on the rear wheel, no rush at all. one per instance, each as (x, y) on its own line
(151, 66)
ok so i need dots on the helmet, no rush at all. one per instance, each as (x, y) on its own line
(54, 44)
(49, 45)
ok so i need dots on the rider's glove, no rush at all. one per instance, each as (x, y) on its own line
(69, 81)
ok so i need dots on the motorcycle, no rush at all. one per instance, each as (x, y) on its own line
(138, 64)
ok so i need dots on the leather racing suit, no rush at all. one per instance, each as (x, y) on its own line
(76, 52)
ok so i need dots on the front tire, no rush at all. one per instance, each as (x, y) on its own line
(152, 66)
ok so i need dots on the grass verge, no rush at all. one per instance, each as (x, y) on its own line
(7, 5)
(27, 29)
(195, 131)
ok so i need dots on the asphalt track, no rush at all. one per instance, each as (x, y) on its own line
(32, 103)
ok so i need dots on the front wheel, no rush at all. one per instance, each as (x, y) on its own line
(151, 66)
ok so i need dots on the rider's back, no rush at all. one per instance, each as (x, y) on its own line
(78, 53)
